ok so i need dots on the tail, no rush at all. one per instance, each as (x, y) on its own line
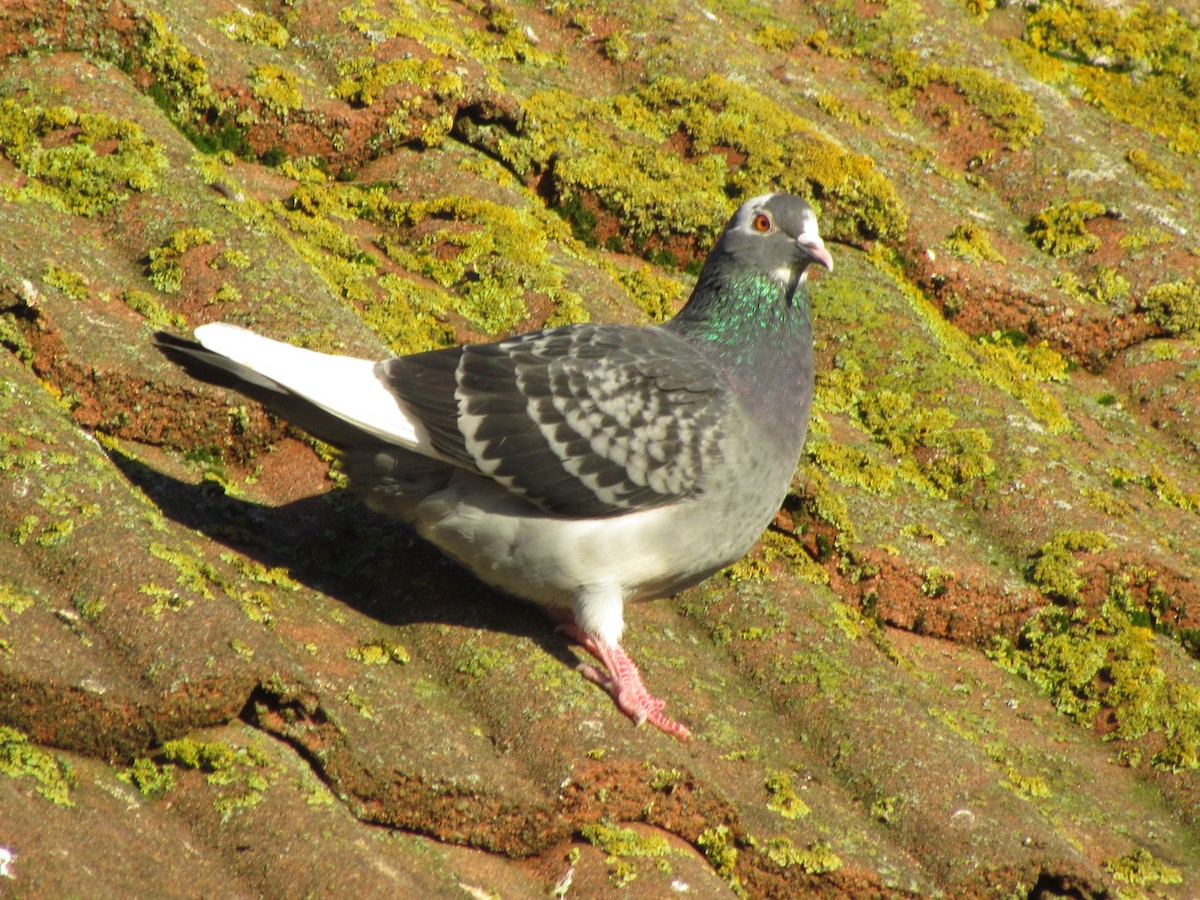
(338, 399)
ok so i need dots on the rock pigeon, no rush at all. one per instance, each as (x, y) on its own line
(585, 466)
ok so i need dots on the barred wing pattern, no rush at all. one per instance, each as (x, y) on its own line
(582, 421)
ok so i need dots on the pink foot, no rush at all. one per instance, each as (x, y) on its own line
(623, 682)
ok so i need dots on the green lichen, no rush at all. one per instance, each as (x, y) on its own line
(851, 466)
(1055, 570)
(935, 454)
(490, 255)
(1140, 869)
(1136, 62)
(70, 283)
(158, 316)
(379, 653)
(55, 147)
(364, 81)
(13, 600)
(994, 362)
(782, 797)
(181, 86)
(277, 89)
(166, 268)
(217, 759)
(482, 660)
(776, 37)
(245, 769)
(1106, 664)
(615, 46)
(818, 859)
(657, 296)
(623, 842)
(618, 151)
(53, 778)
(1168, 491)
(1174, 306)
(970, 241)
(1061, 230)
(1106, 286)
(194, 574)
(1011, 112)
(1153, 172)
(252, 28)
(1034, 787)
(718, 847)
(150, 778)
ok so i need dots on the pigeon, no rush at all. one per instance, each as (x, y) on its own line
(580, 467)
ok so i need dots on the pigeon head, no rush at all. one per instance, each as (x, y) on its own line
(773, 234)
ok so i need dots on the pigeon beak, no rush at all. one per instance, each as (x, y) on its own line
(813, 248)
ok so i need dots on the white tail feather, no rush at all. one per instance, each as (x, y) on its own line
(343, 386)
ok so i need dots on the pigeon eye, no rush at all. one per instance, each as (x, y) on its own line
(762, 223)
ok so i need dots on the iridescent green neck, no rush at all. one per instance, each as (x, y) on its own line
(747, 319)
(761, 338)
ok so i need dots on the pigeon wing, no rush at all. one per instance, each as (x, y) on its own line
(582, 421)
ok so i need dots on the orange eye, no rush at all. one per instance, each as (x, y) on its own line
(762, 223)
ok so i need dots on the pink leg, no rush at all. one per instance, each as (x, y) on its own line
(624, 683)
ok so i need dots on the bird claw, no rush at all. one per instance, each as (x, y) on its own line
(622, 681)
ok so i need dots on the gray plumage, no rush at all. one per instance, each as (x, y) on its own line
(579, 467)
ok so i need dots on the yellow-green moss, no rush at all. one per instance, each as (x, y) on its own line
(70, 283)
(776, 37)
(1140, 868)
(1055, 571)
(53, 147)
(1153, 172)
(490, 255)
(13, 600)
(617, 841)
(718, 847)
(219, 760)
(379, 653)
(144, 304)
(818, 859)
(166, 270)
(252, 28)
(1106, 662)
(181, 77)
(935, 454)
(151, 779)
(620, 844)
(851, 466)
(657, 296)
(970, 241)
(364, 81)
(1174, 305)
(615, 46)
(1137, 62)
(994, 362)
(19, 758)
(1061, 230)
(1009, 110)
(616, 150)
(277, 89)
(1106, 286)
(482, 660)
(782, 797)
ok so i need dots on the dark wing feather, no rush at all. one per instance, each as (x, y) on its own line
(585, 421)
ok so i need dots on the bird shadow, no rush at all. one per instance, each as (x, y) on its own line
(334, 544)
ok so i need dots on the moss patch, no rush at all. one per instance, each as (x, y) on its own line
(1106, 662)
(76, 162)
(1175, 306)
(1061, 230)
(20, 759)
